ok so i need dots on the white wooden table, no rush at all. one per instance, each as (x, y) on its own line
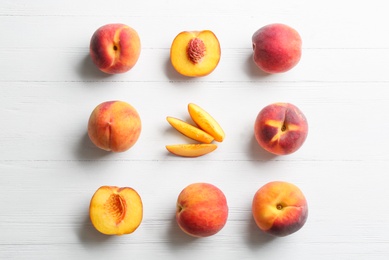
(49, 169)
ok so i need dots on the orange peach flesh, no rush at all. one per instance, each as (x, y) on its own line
(189, 130)
(116, 211)
(281, 128)
(195, 53)
(115, 48)
(191, 150)
(279, 208)
(201, 210)
(206, 122)
(114, 126)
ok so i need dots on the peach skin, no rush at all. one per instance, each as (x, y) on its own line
(202, 210)
(276, 47)
(279, 208)
(114, 126)
(115, 48)
(281, 128)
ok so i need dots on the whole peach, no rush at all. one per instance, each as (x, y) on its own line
(115, 48)
(201, 210)
(279, 208)
(114, 126)
(281, 128)
(277, 48)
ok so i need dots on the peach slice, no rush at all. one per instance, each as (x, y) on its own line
(195, 53)
(191, 150)
(190, 130)
(206, 122)
(116, 211)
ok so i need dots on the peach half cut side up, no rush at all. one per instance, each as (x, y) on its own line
(195, 53)
(116, 211)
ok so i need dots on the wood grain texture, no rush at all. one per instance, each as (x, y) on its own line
(49, 169)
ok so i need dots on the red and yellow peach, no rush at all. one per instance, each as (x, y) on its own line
(202, 210)
(114, 126)
(115, 48)
(277, 48)
(279, 208)
(281, 128)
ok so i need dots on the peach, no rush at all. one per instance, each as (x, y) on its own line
(195, 53)
(116, 211)
(114, 126)
(202, 210)
(281, 128)
(191, 150)
(206, 122)
(279, 208)
(115, 48)
(190, 130)
(277, 48)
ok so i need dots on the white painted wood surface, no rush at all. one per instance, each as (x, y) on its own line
(49, 169)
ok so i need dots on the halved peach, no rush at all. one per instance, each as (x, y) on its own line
(191, 150)
(195, 53)
(206, 122)
(116, 211)
(190, 130)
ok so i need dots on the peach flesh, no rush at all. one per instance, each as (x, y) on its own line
(116, 210)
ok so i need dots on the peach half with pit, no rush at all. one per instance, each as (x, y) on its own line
(281, 128)
(114, 126)
(279, 208)
(115, 48)
(116, 211)
(195, 53)
(277, 48)
(202, 210)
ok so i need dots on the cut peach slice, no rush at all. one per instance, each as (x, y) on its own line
(116, 211)
(206, 122)
(191, 150)
(195, 53)
(190, 130)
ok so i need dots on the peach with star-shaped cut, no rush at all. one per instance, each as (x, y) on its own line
(281, 128)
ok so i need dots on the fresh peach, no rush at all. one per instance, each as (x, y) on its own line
(202, 210)
(281, 128)
(206, 122)
(277, 48)
(116, 211)
(114, 126)
(115, 48)
(279, 208)
(190, 130)
(191, 150)
(195, 53)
